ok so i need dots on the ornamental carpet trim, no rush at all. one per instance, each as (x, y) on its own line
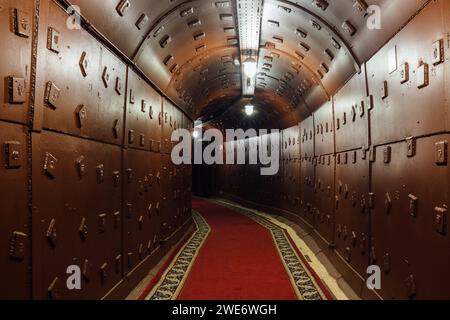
(171, 283)
(303, 282)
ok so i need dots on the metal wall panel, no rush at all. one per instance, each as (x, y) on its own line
(307, 136)
(324, 128)
(16, 25)
(404, 105)
(77, 216)
(14, 219)
(307, 176)
(410, 234)
(124, 23)
(142, 205)
(87, 210)
(169, 192)
(144, 106)
(352, 209)
(324, 197)
(166, 119)
(307, 169)
(351, 114)
(187, 177)
(82, 87)
(291, 169)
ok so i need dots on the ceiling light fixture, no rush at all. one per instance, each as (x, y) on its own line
(249, 110)
(249, 20)
(250, 67)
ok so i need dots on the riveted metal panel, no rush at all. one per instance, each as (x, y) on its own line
(295, 30)
(169, 194)
(82, 88)
(187, 178)
(142, 205)
(77, 216)
(14, 223)
(403, 107)
(352, 210)
(351, 114)
(307, 136)
(125, 23)
(307, 176)
(307, 169)
(16, 23)
(324, 129)
(143, 111)
(291, 169)
(179, 35)
(324, 197)
(404, 221)
(166, 117)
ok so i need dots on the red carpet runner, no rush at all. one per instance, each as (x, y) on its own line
(238, 261)
(236, 256)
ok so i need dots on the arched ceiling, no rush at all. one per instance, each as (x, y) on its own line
(190, 50)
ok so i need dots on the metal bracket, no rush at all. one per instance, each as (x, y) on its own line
(17, 246)
(16, 90)
(50, 165)
(12, 154)
(53, 40)
(52, 94)
(21, 23)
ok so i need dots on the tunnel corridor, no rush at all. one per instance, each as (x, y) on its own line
(224, 149)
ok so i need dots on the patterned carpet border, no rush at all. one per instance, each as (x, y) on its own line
(302, 281)
(171, 283)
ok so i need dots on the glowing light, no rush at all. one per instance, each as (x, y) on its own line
(196, 134)
(249, 109)
(250, 67)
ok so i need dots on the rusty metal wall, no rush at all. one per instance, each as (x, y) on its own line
(84, 179)
(374, 167)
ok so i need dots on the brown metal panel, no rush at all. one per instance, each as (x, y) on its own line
(177, 35)
(324, 128)
(125, 23)
(307, 176)
(77, 217)
(143, 129)
(83, 86)
(307, 136)
(16, 25)
(410, 192)
(401, 108)
(166, 119)
(304, 38)
(352, 209)
(187, 176)
(324, 197)
(142, 205)
(168, 192)
(291, 169)
(446, 20)
(351, 114)
(307, 169)
(14, 224)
